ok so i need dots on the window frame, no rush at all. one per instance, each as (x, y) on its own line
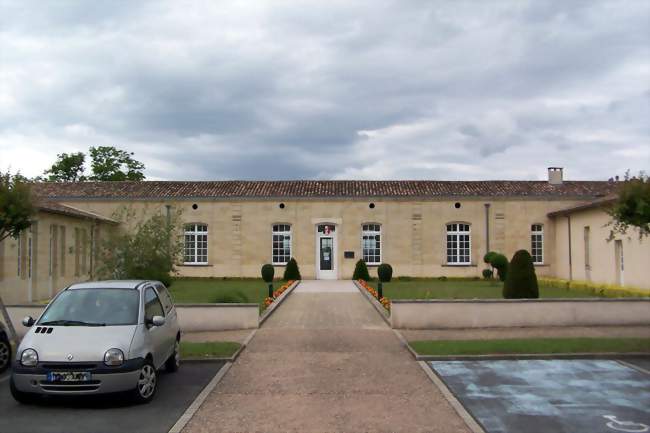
(379, 233)
(457, 249)
(191, 229)
(540, 241)
(279, 232)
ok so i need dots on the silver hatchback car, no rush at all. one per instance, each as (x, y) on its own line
(96, 338)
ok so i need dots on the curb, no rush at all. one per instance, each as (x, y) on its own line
(224, 358)
(527, 356)
(198, 401)
(469, 420)
(375, 303)
(265, 315)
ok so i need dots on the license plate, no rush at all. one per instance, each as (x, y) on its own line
(68, 376)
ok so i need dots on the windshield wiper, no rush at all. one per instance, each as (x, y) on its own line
(71, 323)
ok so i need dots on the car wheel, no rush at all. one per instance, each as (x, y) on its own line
(19, 396)
(5, 355)
(174, 361)
(147, 384)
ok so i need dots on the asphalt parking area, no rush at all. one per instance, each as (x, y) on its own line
(551, 395)
(107, 414)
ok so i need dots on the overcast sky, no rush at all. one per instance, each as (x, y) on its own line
(330, 89)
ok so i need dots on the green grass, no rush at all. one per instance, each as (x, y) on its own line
(210, 349)
(213, 290)
(531, 346)
(433, 288)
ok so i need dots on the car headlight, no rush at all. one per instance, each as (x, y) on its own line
(29, 358)
(113, 357)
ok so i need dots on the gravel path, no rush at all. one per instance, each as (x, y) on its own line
(326, 362)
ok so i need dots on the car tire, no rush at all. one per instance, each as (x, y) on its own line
(147, 384)
(174, 361)
(5, 354)
(19, 396)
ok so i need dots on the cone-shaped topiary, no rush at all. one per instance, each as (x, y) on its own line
(267, 273)
(361, 271)
(521, 281)
(291, 271)
(385, 272)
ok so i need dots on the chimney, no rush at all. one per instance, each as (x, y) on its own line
(555, 176)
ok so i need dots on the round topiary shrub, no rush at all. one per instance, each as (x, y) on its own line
(361, 271)
(500, 263)
(267, 273)
(487, 258)
(521, 281)
(488, 274)
(385, 272)
(291, 271)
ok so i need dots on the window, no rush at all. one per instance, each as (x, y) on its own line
(281, 244)
(371, 243)
(458, 244)
(152, 305)
(63, 250)
(165, 297)
(19, 254)
(587, 236)
(196, 244)
(537, 243)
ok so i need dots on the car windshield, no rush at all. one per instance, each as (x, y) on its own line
(93, 307)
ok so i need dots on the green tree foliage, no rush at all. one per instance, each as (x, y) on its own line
(632, 208)
(267, 273)
(521, 281)
(67, 168)
(385, 272)
(361, 271)
(111, 164)
(16, 208)
(149, 250)
(291, 271)
(499, 262)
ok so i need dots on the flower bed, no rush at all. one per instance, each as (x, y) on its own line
(276, 293)
(385, 302)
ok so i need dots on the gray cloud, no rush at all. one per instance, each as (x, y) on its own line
(452, 90)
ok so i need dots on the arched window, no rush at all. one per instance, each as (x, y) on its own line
(458, 244)
(371, 243)
(281, 252)
(195, 251)
(537, 243)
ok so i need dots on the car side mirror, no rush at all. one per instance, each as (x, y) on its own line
(158, 321)
(28, 321)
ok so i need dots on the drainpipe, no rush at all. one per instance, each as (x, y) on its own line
(568, 218)
(487, 227)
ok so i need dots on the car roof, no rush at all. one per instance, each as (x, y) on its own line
(110, 284)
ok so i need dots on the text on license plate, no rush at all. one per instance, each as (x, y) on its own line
(68, 376)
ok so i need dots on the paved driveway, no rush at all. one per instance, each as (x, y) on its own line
(98, 415)
(325, 361)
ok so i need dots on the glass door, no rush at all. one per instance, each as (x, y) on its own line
(326, 254)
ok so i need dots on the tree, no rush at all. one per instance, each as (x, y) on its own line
(499, 262)
(291, 271)
(268, 271)
(67, 168)
(16, 211)
(111, 164)
(632, 207)
(521, 281)
(149, 251)
(385, 274)
(361, 271)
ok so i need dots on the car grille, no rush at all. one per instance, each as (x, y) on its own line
(92, 385)
(69, 366)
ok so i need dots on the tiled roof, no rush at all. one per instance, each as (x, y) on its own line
(320, 189)
(603, 202)
(49, 206)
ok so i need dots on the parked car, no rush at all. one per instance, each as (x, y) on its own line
(97, 338)
(5, 349)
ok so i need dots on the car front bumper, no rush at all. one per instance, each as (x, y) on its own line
(104, 380)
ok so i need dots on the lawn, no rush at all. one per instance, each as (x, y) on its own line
(211, 349)
(433, 288)
(216, 290)
(531, 346)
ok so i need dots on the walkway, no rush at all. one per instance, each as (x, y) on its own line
(325, 362)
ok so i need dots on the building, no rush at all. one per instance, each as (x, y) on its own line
(422, 228)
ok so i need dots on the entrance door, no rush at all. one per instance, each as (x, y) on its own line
(326, 251)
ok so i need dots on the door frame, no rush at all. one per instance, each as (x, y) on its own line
(334, 273)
